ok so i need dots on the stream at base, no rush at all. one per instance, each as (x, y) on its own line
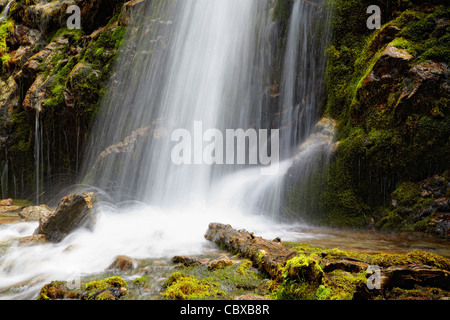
(145, 233)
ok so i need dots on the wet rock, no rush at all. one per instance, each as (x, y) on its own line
(384, 36)
(57, 290)
(6, 202)
(10, 209)
(219, 263)
(81, 74)
(123, 263)
(33, 240)
(35, 213)
(441, 205)
(426, 81)
(73, 212)
(406, 277)
(434, 186)
(108, 289)
(189, 261)
(131, 10)
(121, 151)
(9, 94)
(392, 63)
(96, 13)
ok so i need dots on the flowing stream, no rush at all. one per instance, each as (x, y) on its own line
(190, 62)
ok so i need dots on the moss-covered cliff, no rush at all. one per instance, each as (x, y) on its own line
(389, 91)
(52, 80)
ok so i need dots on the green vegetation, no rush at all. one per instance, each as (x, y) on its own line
(184, 287)
(100, 289)
(384, 141)
(6, 28)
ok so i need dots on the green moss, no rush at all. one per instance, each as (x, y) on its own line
(22, 203)
(378, 147)
(244, 267)
(96, 290)
(56, 290)
(6, 29)
(140, 282)
(303, 268)
(407, 194)
(184, 287)
(73, 34)
(422, 293)
(282, 10)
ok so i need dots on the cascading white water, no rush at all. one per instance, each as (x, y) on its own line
(202, 61)
(5, 11)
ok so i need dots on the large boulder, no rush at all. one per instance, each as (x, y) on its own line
(73, 212)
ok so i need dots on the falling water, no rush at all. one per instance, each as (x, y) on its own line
(199, 61)
(38, 156)
(5, 12)
(213, 74)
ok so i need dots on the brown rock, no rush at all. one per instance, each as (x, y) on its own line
(406, 277)
(74, 211)
(6, 202)
(189, 261)
(123, 263)
(33, 240)
(392, 63)
(426, 80)
(219, 263)
(34, 213)
(131, 10)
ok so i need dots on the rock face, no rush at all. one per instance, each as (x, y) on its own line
(73, 212)
(52, 81)
(131, 11)
(426, 207)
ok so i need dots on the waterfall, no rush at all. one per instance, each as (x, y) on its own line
(38, 155)
(213, 74)
(212, 69)
(186, 63)
(5, 12)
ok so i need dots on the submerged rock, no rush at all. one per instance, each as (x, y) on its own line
(73, 212)
(33, 240)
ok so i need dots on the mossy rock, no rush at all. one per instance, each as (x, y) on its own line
(184, 287)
